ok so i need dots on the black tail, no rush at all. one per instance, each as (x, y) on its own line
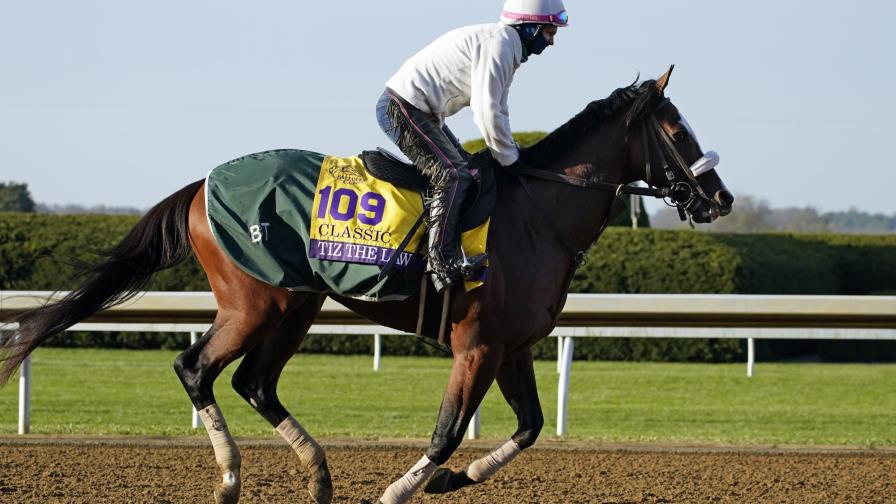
(159, 241)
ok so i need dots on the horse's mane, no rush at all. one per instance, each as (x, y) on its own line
(634, 98)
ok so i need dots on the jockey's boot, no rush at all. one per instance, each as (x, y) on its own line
(445, 266)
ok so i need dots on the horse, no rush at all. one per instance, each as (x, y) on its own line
(548, 214)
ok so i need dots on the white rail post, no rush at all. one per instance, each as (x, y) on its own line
(194, 336)
(25, 396)
(751, 357)
(563, 386)
(377, 351)
(559, 353)
(635, 204)
(475, 426)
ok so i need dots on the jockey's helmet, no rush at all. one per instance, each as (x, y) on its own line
(517, 12)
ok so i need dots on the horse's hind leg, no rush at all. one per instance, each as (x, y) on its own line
(238, 328)
(249, 311)
(516, 377)
(256, 381)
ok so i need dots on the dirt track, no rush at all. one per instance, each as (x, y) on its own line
(178, 471)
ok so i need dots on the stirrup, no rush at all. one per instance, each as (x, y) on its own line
(470, 266)
(461, 268)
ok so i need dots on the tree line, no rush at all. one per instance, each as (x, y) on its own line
(750, 215)
(15, 197)
(755, 215)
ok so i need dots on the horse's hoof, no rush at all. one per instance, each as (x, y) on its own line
(319, 494)
(320, 486)
(227, 494)
(445, 480)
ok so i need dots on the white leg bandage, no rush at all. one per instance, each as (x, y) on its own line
(402, 490)
(226, 452)
(311, 455)
(487, 466)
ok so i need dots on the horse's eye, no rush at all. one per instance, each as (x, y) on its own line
(680, 136)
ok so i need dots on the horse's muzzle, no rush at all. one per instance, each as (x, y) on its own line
(725, 200)
(706, 214)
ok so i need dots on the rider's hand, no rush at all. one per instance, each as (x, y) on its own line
(516, 165)
(519, 160)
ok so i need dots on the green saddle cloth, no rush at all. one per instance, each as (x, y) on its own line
(314, 223)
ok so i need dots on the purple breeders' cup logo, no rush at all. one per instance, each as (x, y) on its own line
(345, 173)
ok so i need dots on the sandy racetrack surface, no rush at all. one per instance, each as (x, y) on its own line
(183, 471)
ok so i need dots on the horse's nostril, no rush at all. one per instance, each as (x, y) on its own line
(725, 200)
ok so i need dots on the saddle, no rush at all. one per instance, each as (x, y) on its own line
(476, 207)
(475, 210)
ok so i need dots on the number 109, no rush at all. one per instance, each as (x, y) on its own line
(373, 205)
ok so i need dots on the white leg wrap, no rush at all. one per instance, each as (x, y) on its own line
(402, 490)
(226, 452)
(487, 466)
(311, 455)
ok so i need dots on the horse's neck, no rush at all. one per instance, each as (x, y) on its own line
(546, 219)
(580, 213)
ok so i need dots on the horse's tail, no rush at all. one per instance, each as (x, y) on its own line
(159, 241)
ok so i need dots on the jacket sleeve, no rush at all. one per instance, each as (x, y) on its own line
(493, 67)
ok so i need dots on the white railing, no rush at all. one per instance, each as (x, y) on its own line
(195, 330)
(585, 315)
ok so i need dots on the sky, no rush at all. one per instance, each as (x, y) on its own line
(121, 103)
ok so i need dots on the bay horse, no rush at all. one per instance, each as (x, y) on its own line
(547, 215)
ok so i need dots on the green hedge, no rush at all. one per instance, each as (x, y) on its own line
(682, 262)
(37, 250)
(686, 262)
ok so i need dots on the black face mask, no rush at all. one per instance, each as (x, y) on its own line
(532, 37)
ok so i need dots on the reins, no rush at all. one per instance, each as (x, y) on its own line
(618, 189)
(681, 193)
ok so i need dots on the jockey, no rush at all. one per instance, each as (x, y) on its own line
(471, 66)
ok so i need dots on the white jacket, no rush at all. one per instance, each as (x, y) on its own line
(471, 66)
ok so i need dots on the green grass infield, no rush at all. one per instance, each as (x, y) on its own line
(120, 392)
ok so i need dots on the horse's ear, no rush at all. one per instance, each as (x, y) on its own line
(663, 81)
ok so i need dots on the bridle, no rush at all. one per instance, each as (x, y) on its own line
(684, 191)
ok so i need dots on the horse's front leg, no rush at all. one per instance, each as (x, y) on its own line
(516, 377)
(474, 369)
